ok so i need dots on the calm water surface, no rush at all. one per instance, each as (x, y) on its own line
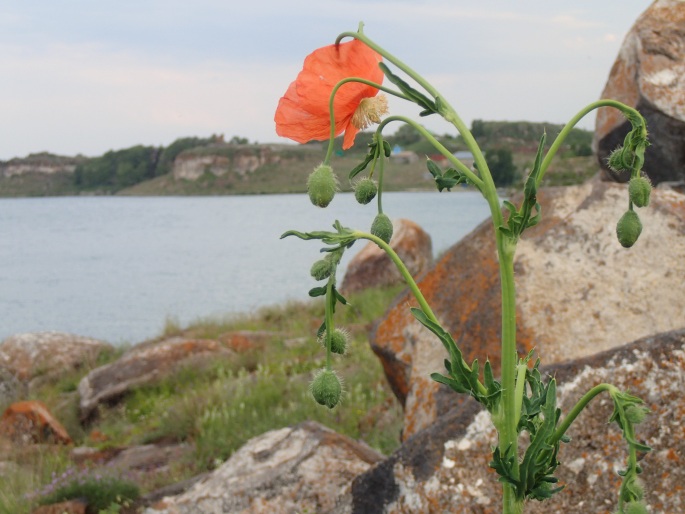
(117, 268)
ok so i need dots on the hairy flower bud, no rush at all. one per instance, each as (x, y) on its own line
(321, 269)
(322, 185)
(615, 160)
(636, 414)
(628, 229)
(365, 190)
(326, 388)
(339, 340)
(639, 189)
(382, 227)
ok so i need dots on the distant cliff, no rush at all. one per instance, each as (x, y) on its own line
(44, 163)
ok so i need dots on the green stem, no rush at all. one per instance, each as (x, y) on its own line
(446, 110)
(330, 300)
(380, 156)
(629, 111)
(437, 145)
(578, 408)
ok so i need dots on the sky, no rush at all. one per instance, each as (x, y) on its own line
(85, 77)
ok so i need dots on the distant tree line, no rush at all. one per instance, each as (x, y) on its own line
(118, 169)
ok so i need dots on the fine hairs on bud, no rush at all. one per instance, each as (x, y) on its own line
(639, 190)
(635, 508)
(365, 190)
(628, 229)
(382, 227)
(326, 388)
(321, 269)
(322, 185)
(339, 340)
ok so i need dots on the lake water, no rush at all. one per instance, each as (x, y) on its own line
(116, 268)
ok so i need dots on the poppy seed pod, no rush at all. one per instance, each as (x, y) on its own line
(322, 185)
(639, 190)
(321, 269)
(326, 388)
(365, 190)
(382, 227)
(628, 229)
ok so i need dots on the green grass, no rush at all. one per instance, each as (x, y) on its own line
(219, 406)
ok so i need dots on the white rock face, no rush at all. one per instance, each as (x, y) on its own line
(292, 470)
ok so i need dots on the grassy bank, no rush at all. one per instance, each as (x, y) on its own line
(217, 408)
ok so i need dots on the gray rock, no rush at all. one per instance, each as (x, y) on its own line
(300, 469)
(47, 355)
(649, 75)
(578, 291)
(444, 468)
(144, 364)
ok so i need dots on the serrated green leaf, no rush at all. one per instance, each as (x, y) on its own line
(361, 166)
(433, 168)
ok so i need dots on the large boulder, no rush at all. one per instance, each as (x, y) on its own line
(372, 267)
(578, 290)
(144, 364)
(444, 468)
(46, 355)
(649, 74)
(304, 468)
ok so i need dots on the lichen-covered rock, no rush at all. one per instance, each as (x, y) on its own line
(444, 468)
(48, 354)
(372, 267)
(578, 292)
(649, 74)
(144, 364)
(11, 389)
(304, 468)
(31, 422)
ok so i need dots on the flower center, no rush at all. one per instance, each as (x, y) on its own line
(370, 111)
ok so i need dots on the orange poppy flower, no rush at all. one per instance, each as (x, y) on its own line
(302, 114)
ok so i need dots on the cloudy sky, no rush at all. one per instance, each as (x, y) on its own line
(84, 76)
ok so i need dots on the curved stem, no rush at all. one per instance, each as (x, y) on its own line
(380, 155)
(329, 319)
(437, 145)
(572, 123)
(578, 408)
(331, 110)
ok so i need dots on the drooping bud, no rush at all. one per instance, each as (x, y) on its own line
(382, 227)
(628, 229)
(321, 269)
(339, 340)
(636, 414)
(615, 160)
(639, 189)
(365, 190)
(326, 388)
(322, 185)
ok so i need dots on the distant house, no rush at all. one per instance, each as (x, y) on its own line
(404, 157)
(465, 157)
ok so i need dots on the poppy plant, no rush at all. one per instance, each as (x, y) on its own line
(303, 112)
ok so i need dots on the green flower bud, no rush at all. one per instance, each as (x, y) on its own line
(321, 269)
(628, 229)
(635, 508)
(322, 185)
(615, 160)
(339, 340)
(636, 414)
(365, 190)
(639, 189)
(382, 227)
(326, 388)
